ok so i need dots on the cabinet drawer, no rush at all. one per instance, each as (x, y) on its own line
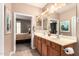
(47, 43)
(55, 46)
(39, 40)
(44, 40)
(53, 52)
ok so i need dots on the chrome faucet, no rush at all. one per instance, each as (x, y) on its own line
(57, 35)
(43, 32)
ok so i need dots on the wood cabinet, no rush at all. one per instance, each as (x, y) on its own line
(38, 44)
(53, 52)
(56, 47)
(35, 42)
(48, 48)
(53, 49)
(44, 48)
(62, 51)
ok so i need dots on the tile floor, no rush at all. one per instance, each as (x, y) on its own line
(24, 49)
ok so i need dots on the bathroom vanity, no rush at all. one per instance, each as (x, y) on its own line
(61, 23)
(51, 45)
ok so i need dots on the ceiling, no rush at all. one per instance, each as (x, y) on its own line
(39, 5)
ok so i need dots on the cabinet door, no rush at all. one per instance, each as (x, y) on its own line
(49, 51)
(39, 45)
(56, 53)
(52, 52)
(35, 41)
(44, 48)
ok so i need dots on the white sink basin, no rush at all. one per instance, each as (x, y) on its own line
(53, 36)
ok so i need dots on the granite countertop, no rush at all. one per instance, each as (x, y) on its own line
(62, 40)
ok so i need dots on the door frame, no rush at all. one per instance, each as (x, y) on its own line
(32, 32)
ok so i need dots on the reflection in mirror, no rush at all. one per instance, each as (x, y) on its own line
(53, 27)
(66, 16)
(45, 20)
(53, 24)
(39, 23)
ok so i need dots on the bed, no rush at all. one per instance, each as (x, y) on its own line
(23, 36)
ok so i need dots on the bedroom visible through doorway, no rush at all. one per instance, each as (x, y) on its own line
(23, 32)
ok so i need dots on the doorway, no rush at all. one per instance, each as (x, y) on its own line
(23, 16)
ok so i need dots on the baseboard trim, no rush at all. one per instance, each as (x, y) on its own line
(33, 47)
(11, 53)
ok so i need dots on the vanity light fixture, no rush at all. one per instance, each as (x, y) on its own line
(45, 12)
(55, 7)
(52, 9)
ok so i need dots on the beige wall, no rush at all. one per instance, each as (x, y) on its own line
(21, 8)
(7, 36)
(24, 8)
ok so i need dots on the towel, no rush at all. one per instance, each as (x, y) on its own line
(69, 50)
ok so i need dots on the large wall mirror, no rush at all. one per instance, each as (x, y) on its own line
(42, 23)
(64, 20)
(45, 23)
(39, 23)
(67, 17)
(61, 21)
